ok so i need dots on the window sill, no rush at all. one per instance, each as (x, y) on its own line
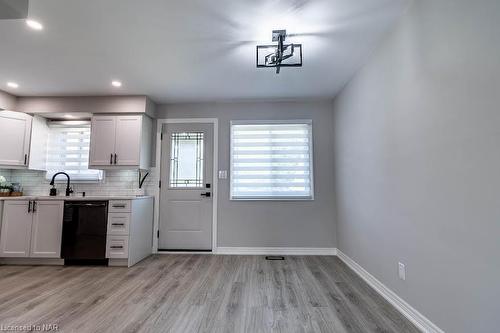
(273, 199)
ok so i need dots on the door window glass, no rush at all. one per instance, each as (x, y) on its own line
(186, 159)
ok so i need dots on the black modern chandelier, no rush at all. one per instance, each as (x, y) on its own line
(280, 54)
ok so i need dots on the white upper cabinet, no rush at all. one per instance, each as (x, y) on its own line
(128, 140)
(15, 133)
(25, 139)
(102, 140)
(37, 159)
(120, 142)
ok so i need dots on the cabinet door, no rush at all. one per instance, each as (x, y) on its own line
(16, 229)
(102, 140)
(46, 232)
(128, 140)
(15, 128)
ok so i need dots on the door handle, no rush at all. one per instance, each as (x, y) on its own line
(111, 159)
(206, 194)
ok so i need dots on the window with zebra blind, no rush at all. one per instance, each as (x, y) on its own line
(271, 160)
(68, 151)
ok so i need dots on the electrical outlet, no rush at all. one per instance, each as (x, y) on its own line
(222, 174)
(402, 271)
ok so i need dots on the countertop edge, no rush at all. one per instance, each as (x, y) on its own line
(87, 198)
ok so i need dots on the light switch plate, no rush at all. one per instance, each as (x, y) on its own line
(402, 271)
(222, 174)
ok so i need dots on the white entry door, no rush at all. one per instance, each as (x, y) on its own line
(186, 187)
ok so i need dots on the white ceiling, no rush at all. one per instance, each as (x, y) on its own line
(189, 50)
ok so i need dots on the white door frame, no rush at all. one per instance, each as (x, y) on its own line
(160, 123)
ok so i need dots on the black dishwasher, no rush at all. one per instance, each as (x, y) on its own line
(84, 233)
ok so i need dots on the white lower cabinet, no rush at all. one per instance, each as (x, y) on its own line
(31, 229)
(117, 247)
(15, 235)
(130, 231)
(118, 223)
(46, 230)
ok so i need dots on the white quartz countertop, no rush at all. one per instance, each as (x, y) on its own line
(78, 198)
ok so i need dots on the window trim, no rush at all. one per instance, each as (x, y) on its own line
(308, 122)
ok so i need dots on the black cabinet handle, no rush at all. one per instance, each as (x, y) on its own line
(29, 206)
(111, 159)
(116, 247)
(115, 158)
(117, 223)
(118, 206)
(34, 206)
(25, 159)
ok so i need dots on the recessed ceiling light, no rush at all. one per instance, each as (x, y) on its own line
(12, 85)
(35, 25)
(116, 83)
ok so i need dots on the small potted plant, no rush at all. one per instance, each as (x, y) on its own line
(5, 187)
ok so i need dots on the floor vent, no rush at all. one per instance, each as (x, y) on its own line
(275, 258)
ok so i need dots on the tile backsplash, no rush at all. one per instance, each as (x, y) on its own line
(115, 182)
(6, 173)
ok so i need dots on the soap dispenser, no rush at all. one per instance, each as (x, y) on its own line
(53, 191)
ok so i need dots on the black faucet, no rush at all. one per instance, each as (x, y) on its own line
(68, 188)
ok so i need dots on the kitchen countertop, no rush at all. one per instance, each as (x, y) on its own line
(79, 198)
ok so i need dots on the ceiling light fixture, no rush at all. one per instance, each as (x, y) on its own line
(116, 83)
(68, 116)
(280, 55)
(12, 85)
(35, 25)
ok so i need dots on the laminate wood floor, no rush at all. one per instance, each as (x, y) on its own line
(198, 293)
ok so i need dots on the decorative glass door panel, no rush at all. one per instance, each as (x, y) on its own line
(186, 160)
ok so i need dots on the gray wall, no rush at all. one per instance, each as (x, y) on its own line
(417, 142)
(272, 223)
(7, 101)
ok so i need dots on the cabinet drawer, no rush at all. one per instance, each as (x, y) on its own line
(118, 223)
(117, 247)
(118, 206)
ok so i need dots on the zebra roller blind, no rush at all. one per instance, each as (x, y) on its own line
(271, 160)
(68, 150)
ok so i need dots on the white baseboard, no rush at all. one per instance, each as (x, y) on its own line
(288, 251)
(32, 261)
(418, 319)
(184, 252)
